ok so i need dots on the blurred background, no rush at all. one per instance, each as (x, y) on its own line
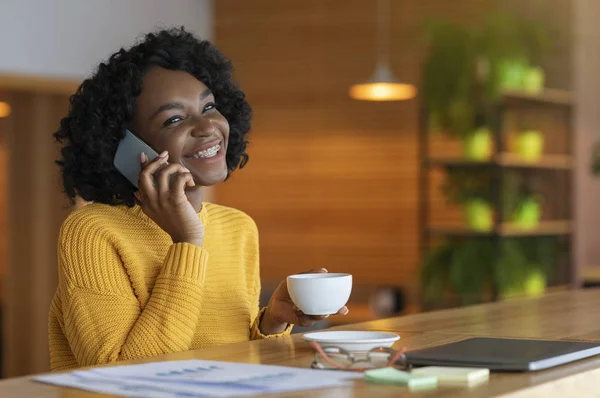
(443, 152)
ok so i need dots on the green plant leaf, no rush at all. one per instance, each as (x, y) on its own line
(434, 271)
(470, 269)
(462, 71)
(510, 270)
(461, 185)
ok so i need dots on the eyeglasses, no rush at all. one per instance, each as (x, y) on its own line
(332, 357)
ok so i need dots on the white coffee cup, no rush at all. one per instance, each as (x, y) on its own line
(320, 294)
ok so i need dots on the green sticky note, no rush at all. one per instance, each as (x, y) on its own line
(399, 377)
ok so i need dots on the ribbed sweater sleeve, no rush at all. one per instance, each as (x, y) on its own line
(103, 319)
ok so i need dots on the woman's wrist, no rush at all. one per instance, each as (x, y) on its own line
(270, 325)
(197, 242)
(192, 240)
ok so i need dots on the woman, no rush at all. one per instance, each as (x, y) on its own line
(155, 270)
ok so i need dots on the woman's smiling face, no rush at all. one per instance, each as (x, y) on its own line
(176, 112)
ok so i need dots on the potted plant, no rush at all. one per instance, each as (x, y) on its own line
(524, 266)
(517, 74)
(471, 270)
(514, 49)
(463, 76)
(528, 213)
(537, 43)
(529, 141)
(530, 144)
(434, 272)
(471, 190)
(455, 272)
(521, 205)
(511, 271)
(458, 270)
(450, 88)
(476, 269)
(466, 70)
(478, 145)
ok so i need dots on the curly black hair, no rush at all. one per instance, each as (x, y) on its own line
(103, 106)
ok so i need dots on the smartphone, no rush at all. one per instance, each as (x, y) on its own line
(127, 158)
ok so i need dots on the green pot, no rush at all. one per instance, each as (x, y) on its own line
(478, 145)
(533, 284)
(512, 74)
(528, 214)
(530, 145)
(534, 80)
(479, 215)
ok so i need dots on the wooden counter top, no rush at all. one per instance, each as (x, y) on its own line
(571, 315)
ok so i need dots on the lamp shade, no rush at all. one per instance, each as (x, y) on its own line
(4, 109)
(382, 86)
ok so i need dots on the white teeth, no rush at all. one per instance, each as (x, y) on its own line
(207, 153)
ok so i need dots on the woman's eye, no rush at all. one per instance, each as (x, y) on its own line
(172, 120)
(209, 107)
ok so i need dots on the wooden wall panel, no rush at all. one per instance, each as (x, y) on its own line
(312, 198)
(331, 181)
(35, 210)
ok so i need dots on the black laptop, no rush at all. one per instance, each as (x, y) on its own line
(497, 354)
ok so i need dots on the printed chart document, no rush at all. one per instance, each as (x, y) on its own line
(197, 378)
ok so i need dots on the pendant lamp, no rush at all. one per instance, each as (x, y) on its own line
(383, 85)
(4, 109)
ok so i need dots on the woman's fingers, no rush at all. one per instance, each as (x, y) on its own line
(301, 319)
(308, 320)
(343, 311)
(180, 182)
(146, 185)
(161, 182)
(151, 167)
(165, 179)
(315, 271)
(183, 180)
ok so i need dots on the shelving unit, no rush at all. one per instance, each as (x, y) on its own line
(549, 96)
(557, 162)
(502, 160)
(544, 228)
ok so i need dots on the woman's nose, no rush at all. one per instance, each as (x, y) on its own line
(203, 127)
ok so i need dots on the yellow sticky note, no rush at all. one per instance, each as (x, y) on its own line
(454, 375)
(394, 376)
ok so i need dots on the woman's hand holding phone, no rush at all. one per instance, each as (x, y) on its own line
(162, 194)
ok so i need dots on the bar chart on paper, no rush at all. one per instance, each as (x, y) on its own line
(196, 378)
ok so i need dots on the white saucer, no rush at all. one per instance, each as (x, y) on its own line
(353, 341)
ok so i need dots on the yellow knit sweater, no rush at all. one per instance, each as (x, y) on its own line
(126, 291)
